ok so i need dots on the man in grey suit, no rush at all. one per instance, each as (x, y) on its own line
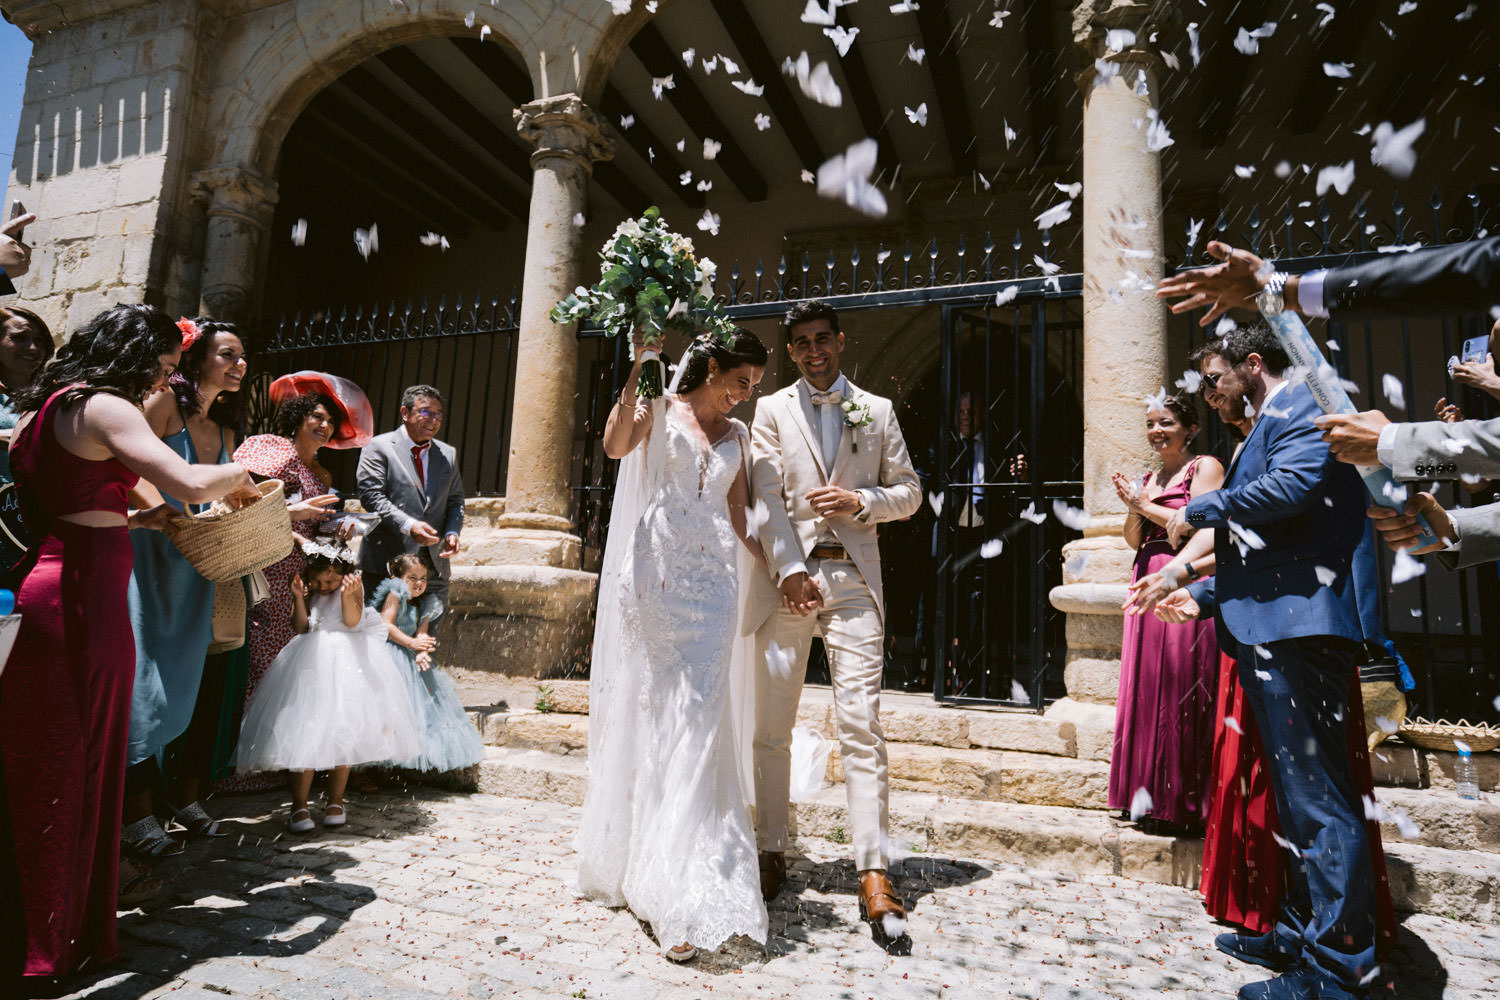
(411, 480)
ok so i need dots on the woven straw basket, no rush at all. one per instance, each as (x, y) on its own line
(226, 545)
(1439, 735)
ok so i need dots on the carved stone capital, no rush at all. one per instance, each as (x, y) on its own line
(1093, 22)
(564, 126)
(235, 191)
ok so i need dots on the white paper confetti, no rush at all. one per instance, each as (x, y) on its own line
(1028, 513)
(299, 232)
(661, 83)
(1017, 692)
(1045, 266)
(1071, 190)
(1056, 215)
(1339, 71)
(1231, 723)
(626, 121)
(1381, 813)
(842, 37)
(893, 926)
(711, 148)
(1007, 295)
(904, 7)
(915, 54)
(1394, 391)
(1157, 136)
(1192, 33)
(816, 82)
(997, 19)
(578, 220)
(1070, 516)
(367, 241)
(1338, 177)
(1392, 150)
(1325, 575)
(1405, 567)
(846, 177)
(469, 19)
(1140, 804)
(814, 13)
(730, 66)
(749, 86)
(935, 501)
(1190, 382)
(688, 56)
(1328, 12)
(1244, 171)
(1010, 133)
(431, 239)
(917, 115)
(991, 548)
(762, 122)
(1248, 40)
(709, 223)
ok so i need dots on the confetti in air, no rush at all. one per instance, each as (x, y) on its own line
(299, 232)
(904, 7)
(661, 83)
(915, 54)
(1029, 514)
(847, 177)
(1230, 722)
(749, 86)
(1405, 567)
(1140, 804)
(367, 241)
(1056, 215)
(1007, 295)
(893, 926)
(1072, 517)
(814, 13)
(762, 122)
(816, 82)
(997, 20)
(1325, 575)
(1394, 391)
(1248, 41)
(1338, 177)
(991, 548)
(917, 115)
(1392, 150)
(709, 223)
(431, 239)
(842, 37)
(711, 148)
(1328, 12)
(1339, 71)
(935, 500)
(626, 121)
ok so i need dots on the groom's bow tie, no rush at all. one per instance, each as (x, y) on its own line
(833, 396)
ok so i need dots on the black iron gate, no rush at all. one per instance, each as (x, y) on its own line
(1022, 362)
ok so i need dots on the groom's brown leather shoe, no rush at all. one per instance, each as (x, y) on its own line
(772, 874)
(877, 897)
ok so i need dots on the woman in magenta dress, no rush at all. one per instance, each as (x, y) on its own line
(80, 446)
(1164, 725)
(304, 425)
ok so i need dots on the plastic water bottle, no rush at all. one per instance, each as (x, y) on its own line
(7, 602)
(1466, 775)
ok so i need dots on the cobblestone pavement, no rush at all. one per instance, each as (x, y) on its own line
(427, 895)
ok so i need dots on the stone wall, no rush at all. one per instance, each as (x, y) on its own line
(97, 157)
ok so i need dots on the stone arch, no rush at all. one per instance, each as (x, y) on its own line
(267, 84)
(609, 42)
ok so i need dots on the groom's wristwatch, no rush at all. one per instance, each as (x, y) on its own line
(862, 505)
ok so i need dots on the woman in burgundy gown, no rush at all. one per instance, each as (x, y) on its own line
(80, 446)
(1164, 712)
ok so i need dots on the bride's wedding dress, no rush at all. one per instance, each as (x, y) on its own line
(666, 824)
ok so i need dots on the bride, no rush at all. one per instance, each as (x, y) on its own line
(666, 825)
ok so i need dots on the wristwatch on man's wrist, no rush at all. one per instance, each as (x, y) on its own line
(1190, 571)
(1272, 298)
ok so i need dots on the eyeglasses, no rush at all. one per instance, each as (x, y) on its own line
(1211, 382)
(428, 414)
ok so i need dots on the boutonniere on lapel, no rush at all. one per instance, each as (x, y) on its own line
(856, 415)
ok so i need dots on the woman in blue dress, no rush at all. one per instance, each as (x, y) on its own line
(171, 605)
(449, 740)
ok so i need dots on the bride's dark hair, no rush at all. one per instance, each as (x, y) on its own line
(742, 348)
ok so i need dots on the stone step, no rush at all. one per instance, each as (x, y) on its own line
(1424, 878)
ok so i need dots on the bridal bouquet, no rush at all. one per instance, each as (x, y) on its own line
(650, 279)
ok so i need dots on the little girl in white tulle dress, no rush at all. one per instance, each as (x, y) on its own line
(333, 698)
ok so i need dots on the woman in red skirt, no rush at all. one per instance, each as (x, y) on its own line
(80, 446)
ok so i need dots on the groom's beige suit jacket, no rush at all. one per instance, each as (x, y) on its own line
(787, 459)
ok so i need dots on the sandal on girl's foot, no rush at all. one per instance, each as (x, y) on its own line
(145, 839)
(137, 887)
(681, 953)
(302, 824)
(331, 818)
(196, 821)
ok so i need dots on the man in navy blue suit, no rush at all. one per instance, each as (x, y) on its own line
(1287, 523)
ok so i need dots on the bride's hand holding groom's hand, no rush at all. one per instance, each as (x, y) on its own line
(799, 594)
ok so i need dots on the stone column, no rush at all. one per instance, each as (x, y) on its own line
(569, 136)
(522, 601)
(241, 204)
(1124, 326)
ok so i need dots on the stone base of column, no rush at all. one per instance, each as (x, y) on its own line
(531, 540)
(1095, 574)
(520, 620)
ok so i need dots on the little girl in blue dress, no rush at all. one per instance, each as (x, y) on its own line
(449, 740)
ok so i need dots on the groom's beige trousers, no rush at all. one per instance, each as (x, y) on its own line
(853, 635)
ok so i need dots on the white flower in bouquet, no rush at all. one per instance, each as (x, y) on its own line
(649, 280)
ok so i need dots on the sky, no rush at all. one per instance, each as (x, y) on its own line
(15, 53)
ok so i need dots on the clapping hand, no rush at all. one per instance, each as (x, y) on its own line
(299, 588)
(1177, 608)
(1128, 492)
(1150, 590)
(353, 587)
(1232, 284)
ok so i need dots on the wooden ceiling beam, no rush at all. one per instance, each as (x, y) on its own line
(862, 91)
(656, 153)
(1041, 82)
(305, 149)
(766, 70)
(657, 57)
(947, 79)
(1227, 71)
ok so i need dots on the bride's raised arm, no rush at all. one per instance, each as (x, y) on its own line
(630, 418)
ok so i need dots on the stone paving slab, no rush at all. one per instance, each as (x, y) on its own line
(427, 895)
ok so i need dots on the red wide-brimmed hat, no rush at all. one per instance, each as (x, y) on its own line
(357, 426)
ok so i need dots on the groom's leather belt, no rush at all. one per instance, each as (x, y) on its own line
(825, 551)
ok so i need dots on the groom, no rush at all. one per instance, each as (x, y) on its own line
(829, 465)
